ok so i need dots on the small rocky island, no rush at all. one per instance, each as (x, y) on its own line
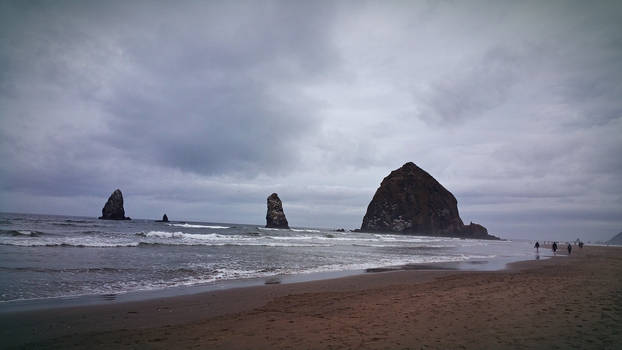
(113, 210)
(275, 217)
(411, 201)
(164, 219)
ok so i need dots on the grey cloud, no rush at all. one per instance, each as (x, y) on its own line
(473, 89)
(212, 92)
(205, 108)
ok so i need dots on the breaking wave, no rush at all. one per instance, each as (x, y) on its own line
(17, 233)
(198, 236)
(186, 225)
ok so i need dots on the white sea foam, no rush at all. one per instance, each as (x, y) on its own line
(213, 239)
(216, 239)
(304, 230)
(77, 244)
(294, 238)
(372, 242)
(196, 236)
(187, 225)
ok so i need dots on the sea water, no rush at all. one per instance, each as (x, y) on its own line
(45, 256)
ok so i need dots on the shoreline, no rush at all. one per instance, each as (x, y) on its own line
(536, 302)
(59, 302)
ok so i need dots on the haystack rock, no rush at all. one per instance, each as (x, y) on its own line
(113, 210)
(164, 219)
(411, 201)
(275, 218)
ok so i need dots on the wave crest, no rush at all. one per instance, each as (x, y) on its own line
(187, 225)
(18, 233)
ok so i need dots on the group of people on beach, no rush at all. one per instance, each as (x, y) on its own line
(554, 247)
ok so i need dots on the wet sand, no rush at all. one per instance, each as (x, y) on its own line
(565, 302)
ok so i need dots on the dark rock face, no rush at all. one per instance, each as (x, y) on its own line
(410, 200)
(474, 229)
(113, 210)
(164, 218)
(275, 218)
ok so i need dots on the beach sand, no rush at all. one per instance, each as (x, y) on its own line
(565, 302)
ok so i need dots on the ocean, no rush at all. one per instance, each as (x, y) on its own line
(55, 258)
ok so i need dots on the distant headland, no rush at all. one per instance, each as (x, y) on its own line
(617, 239)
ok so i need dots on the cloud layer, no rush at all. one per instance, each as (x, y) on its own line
(203, 110)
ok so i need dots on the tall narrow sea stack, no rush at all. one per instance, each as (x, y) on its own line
(410, 200)
(113, 210)
(275, 218)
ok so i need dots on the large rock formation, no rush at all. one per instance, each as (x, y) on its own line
(410, 200)
(113, 210)
(275, 218)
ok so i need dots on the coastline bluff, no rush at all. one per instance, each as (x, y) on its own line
(275, 217)
(409, 200)
(113, 210)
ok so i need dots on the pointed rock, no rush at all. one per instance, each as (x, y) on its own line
(275, 218)
(113, 210)
(164, 219)
(410, 200)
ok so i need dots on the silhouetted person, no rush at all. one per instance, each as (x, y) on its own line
(554, 247)
(537, 246)
(569, 248)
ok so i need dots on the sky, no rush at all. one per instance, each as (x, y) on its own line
(202, 109)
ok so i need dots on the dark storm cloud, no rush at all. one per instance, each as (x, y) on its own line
(205, 108)
(211, 89)
(226, 103)
(476, 88)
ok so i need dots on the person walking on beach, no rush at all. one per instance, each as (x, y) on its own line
(554, 247)
(569, 248)
(537, 246)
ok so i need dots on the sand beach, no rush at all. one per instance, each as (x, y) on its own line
(564, 302)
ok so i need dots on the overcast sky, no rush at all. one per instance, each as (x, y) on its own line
(202, 109)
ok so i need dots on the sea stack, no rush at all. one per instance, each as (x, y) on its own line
(275, 218)
(164, 218)
(411, 201)
(113, 210)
